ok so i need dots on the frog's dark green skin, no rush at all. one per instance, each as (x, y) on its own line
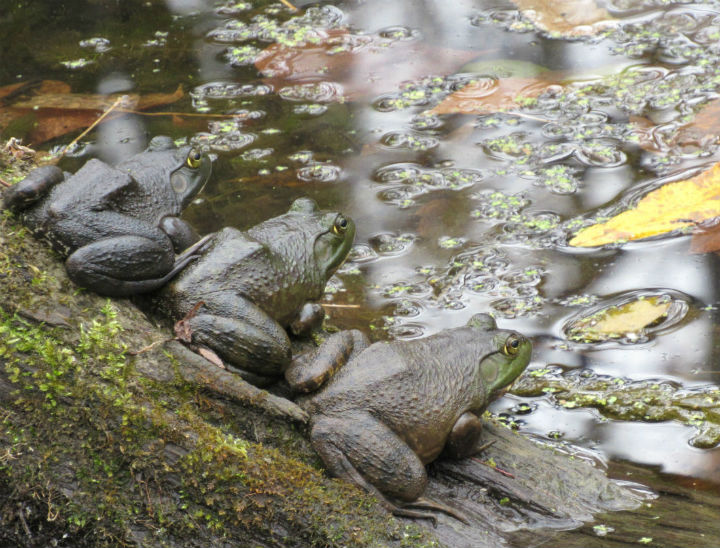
(395, 406)
(117, 226)
(247, 287)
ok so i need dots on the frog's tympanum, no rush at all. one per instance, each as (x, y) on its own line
(117, 226)
(395, 406)
(247, 287)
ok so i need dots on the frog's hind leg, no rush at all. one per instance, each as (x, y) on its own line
(32, 188)
(252, 343)
(123, 265)
(364, 451)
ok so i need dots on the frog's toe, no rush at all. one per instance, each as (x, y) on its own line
(428, 504)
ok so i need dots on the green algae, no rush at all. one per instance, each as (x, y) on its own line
(629, 400)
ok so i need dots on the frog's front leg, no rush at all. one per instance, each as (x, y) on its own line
(310, 317)
(463, 438)
(309, 372)
(360, 449)
(181, 234)
(32, 188)
(251, 343)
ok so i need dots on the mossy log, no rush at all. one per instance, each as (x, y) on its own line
(115, 435)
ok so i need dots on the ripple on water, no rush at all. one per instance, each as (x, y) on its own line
(616, 319)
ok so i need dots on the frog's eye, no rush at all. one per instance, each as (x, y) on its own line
(194, 159)
(512, 345)
(340, 225)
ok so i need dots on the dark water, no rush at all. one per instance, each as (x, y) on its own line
(456, 213)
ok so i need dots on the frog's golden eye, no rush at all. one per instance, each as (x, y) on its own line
(512, 345)
(194, 159)
(340, 225)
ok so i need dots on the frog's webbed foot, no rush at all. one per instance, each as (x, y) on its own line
(308, 373)
(194, 251)
(32, 188)
(427, 504)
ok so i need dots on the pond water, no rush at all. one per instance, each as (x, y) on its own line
(456, 213)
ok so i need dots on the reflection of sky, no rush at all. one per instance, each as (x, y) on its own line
(445, 26)
(677, 354)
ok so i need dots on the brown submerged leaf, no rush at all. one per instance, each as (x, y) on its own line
(53, 111)
(355, 65)
(488, 96)
(698, 134)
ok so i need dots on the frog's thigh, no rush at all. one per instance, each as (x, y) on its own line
(123, 258)
(462, 441)
(360, 445)
(248, 339)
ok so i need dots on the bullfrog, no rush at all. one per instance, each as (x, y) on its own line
(117, 227)
(394, 407)
(239, 297)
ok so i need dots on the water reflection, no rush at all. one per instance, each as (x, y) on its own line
(456, 213)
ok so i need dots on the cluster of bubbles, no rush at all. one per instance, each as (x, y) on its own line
(401, 184)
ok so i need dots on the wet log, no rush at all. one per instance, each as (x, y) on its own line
(113, 436)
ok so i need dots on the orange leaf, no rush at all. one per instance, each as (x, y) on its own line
(566, 18)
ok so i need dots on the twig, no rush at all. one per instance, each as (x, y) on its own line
(95, 123)
(21, 515)
(150, 346)
(289, 5)
(496, 468)
(329, 305)
(170, 113)
(4, 183)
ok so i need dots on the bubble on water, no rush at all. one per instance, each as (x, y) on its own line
(423, 92)
(319, 172)
(99, 44)
(312, 109)
(399, 33)
(315, 92)
(233, 8)
(404, 182)
(391, 244)
(229, 90)
(409, 140)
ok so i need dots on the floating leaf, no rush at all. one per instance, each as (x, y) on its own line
(627, 320)
(566, 18)
(671, 207)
